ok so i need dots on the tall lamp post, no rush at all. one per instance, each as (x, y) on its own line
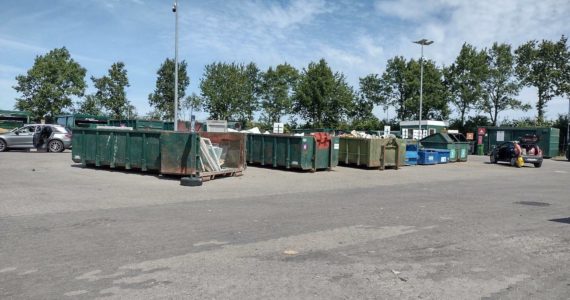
(175, 11)
(422, 42)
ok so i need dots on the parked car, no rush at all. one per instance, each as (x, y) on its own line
(23, 138)
(510, 152)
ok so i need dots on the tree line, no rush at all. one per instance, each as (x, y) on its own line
(486, 81)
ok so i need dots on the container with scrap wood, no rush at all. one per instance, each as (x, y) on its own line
(202, 156)
(371, 151)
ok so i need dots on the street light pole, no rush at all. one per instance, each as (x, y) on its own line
(175, 10)
(422, 42)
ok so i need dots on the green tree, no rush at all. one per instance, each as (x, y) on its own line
(370, 95)
(321, 97)
(544, 66)
(229, 91)
(90, 105)
(463, 80)
(391, 89)
(162, 99)
(276, 90)
(435, 93)
(111, 91)
(399, 87)
(48, 87)
(192, 104)
(500, 85)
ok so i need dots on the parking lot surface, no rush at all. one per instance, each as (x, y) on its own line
(456, 231)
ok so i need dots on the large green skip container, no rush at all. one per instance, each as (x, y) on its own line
(458, 151)
(548, 138)
(312, 152)
(165, 152)
(372, 153)
(137, 124)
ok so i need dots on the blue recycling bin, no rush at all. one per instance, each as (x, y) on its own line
(411, 158)
(443, 155)
(428, 157)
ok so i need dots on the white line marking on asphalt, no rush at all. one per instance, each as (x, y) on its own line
(76, 293)
(212, 242)
(5, 270)
(29, 272)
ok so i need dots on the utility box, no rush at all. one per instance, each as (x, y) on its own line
(548, 137)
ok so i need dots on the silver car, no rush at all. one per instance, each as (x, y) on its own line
(23, 138)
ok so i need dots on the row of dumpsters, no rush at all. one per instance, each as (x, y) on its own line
(202, 156)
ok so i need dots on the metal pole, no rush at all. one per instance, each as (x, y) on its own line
(568, 127)
(176, 66)
(421, 90)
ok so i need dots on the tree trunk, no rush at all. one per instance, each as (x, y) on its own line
(540, 107)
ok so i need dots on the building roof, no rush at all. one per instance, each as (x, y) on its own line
(425, 123)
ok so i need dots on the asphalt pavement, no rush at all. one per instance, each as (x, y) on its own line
(456, 231)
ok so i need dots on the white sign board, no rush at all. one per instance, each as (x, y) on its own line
(278, 127)
(500, 136)
(386, 130)
(404, 133)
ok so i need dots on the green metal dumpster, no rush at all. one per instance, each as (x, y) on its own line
(313, 152)
(372, 153)
(164, 152)
(548, 137)
(458, 150)
(138, 124)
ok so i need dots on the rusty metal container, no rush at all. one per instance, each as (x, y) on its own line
(372, 153)
(311, 152)
(164, 152)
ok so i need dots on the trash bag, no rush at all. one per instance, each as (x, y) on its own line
(520, 162)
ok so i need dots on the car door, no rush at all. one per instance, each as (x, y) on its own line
(22, 138)
(25, 136)
(503, 152)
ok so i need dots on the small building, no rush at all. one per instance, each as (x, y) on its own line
(410, 129)
(548, 138)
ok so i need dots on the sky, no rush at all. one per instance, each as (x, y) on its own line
(355, 37)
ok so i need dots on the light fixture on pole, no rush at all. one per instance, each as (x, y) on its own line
(175, 11)
(422, 42)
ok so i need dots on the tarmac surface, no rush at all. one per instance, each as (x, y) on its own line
(456, 231)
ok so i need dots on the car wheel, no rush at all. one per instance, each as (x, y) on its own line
(493, 159)
(538, 165)
(3, 146)
(55, 146)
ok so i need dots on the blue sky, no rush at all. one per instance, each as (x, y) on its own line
(355, 37)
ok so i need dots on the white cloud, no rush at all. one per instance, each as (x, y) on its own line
(283, 16)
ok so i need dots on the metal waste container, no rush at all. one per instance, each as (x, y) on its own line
(455, 143)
